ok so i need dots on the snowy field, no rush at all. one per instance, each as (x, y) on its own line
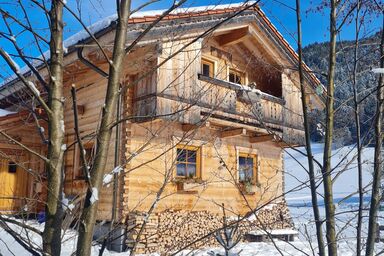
(346, 184)
(298, 198)
(345, 189)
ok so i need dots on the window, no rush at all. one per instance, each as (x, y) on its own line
(12, 167)
(247, 168)
(207, 68)
(235, 76)
(188, 162)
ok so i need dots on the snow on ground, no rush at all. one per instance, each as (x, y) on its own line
(297, 181)
(345, 185)
(299, 205)
(346, 248)
(8, 246)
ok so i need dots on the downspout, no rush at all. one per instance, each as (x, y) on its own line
(90, 64)
(116, 162)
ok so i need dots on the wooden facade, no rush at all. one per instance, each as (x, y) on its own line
(21, 173)
(243, 105)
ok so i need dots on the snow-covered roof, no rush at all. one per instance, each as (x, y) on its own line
(136, 16)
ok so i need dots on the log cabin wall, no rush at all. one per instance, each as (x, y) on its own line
(292, 112)
(154, 165)
(179, 86)
(177, 96)
(91, 90)
(24, 188)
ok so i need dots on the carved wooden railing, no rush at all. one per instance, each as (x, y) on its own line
(252, 103)
(232, 103)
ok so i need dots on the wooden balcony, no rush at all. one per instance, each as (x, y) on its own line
(229, 105)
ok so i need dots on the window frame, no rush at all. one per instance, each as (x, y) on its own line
(238, 73)
(12, 167)
(197, 149)
(211, 64)
(255, 174)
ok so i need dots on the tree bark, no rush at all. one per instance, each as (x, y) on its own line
(378, 165)
(327, 168)
(311, 169)
(53, 210)
(88, 216)
(358, 133)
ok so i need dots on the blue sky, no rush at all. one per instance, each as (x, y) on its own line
(280, 12)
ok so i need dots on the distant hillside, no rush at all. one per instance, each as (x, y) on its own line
(316, 57)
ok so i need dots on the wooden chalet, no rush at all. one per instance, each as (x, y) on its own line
(206, 116)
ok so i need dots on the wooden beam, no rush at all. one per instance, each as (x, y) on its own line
(261, 138)
(233, 37)
(189, 127)
(233, 133)
(225, 123)
(268, 47)
(287, 145)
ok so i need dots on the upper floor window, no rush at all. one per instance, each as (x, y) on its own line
(188, 162)
(235, 76)
(12, 167)
(207, 67)
(247, 168)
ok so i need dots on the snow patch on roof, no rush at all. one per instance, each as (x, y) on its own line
(94, 28)
(4, 112)
(107, 21)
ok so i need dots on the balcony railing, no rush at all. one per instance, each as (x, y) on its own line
(232, 104)
(252, 103)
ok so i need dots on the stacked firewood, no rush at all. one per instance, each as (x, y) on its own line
(179, 228)
(168, 231)
(276, 218)
(148, 238)
(273, 216)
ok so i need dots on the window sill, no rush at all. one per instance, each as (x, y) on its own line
(188, 185)
(249, 189)
(187, 180)
(187, 192)
(246, 193)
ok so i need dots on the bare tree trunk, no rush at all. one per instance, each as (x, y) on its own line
(52, 229)
(311, 169)
(358, 133)
(88, 216)
(378, 165)
(327, 178)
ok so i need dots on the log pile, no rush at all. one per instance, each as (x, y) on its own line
(178, 228)
(168, 231)
(148, 239)
(275, 216)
